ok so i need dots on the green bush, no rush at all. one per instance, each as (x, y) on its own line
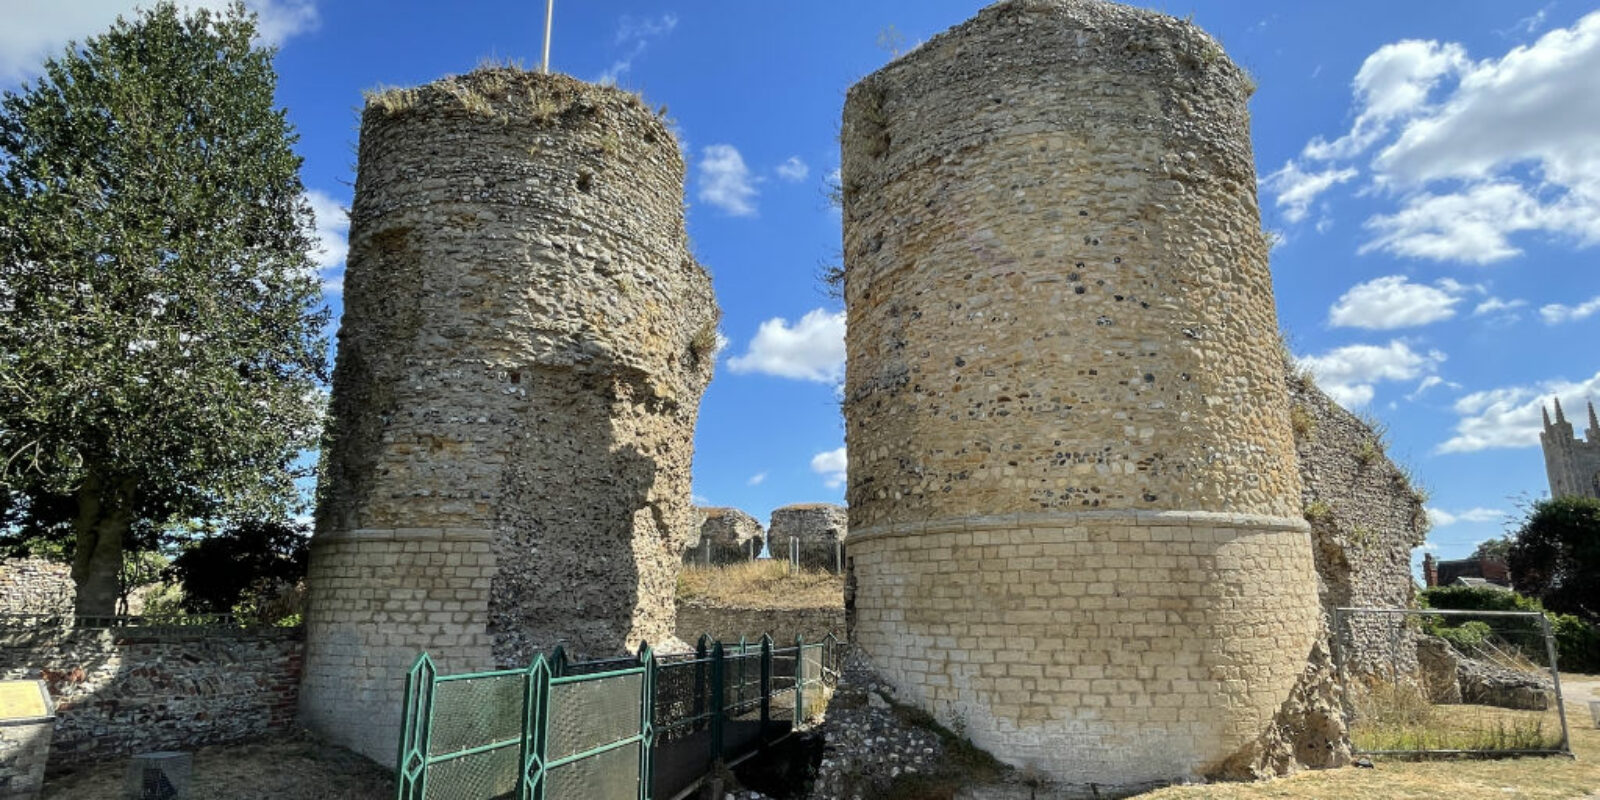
(1577, 641)
(1465, 635)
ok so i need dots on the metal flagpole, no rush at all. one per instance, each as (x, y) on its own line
(549, 15)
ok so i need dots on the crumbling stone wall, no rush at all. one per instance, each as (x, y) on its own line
(820, 528)
(524, 346)
(1075, 516)
(1365, 517)
(728, 624)
(724, 536)
(35, 586)
(131, 690)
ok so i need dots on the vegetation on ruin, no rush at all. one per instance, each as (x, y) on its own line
(161, 340)
(762, 583)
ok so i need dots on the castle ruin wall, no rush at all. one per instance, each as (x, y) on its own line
(724, 536)
(1075, 519)
(524, 346)
(819, 530)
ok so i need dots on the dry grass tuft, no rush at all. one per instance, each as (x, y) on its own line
(763, 583)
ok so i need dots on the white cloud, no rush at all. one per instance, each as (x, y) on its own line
(1349, 374)
(1475, 152)
(1393, 83)
(1535, 107)
(1441, 518)
(1297, 189)
(812, 350)
(35, 29)
(1555, 313)
(1509, 416)
(1428, 382)
(793, 170)
(756, 479)
(725, 181)
(634, 35)
(331, 235)
(832, 466)
(1495, 305)
(1393, 302)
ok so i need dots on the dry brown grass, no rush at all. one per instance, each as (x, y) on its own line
(1535, 777)
(764, 583)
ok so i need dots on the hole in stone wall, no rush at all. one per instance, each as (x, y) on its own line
(585, 181)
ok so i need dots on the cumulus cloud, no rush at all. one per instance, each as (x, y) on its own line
(1349, 374)
(793, 170)
(1296, 189)
(1556, 313)
(1509, 416)
(332, 227)
(725, 181)
(811, 350)
(35, 30)
(1393, 83)
(1443, 519)
(831, 465)
(1394, 302)
(634, 35)
(1475, 153)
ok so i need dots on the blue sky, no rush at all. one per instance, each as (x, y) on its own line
(1431, 170)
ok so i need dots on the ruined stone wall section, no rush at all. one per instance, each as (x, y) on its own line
(1063, 348)
(36, 586)
(1365, 518)
(820, 529)
(724, 536)
(525, 342)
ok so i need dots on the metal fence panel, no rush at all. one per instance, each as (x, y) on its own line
(1421, 682)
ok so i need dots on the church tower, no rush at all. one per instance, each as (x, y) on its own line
(1573, 464)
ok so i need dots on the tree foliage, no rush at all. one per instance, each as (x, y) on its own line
(217, 573)
(1555, 556)
(160, 322)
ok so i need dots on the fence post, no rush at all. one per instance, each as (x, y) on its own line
(700, 675)
(558, 661)
(647, 712)
(535, 729)
(799, 679)
(766, 685)
(830, 654)
(415, 731)
(717, 701)
(1555, 679)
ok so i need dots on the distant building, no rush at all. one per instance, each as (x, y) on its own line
(1476, 571)
(1573, 464)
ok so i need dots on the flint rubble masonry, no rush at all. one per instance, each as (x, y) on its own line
(1075, 515)
(524, 346)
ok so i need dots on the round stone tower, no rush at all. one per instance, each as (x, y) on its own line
(1074, 508)
(524, 346)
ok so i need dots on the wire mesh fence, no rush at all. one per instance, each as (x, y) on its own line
(1421, 682)
(597, 729)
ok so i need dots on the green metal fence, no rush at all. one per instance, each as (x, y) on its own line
(557, 730)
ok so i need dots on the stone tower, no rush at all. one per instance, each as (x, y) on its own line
(1572, 464)
(524, 346)
(1075, 519)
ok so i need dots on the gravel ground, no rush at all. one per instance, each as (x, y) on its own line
(287, 767)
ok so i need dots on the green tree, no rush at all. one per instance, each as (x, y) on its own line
(220, 572)
(1555, 556)
(1493, 548)
(160, 319)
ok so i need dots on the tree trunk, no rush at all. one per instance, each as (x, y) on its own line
(104, 515)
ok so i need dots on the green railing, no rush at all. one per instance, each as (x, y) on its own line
(556, 730)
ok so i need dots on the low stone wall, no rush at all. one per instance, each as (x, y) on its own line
(129, 690)
(729, 624)
(35, 586)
